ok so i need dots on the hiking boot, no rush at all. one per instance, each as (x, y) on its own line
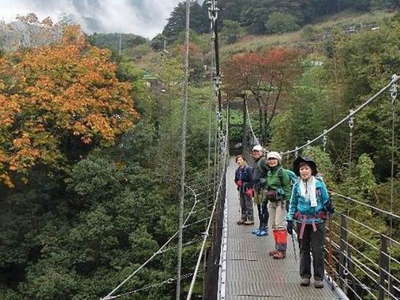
(255, 231)
(319, 284)
(262, 233)
(279, 255)
(240, 222)
(305, 282)
(248, 222)
(273, 252)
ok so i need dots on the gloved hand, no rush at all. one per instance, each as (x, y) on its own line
(329, 208)
(250, 192)
(289, 227)
(262, 182)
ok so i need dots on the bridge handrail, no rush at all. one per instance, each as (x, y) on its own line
(395, 78)
(366, 204)
(357, 263)
(206, 233)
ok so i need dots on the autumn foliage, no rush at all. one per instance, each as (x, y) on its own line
(56, 97)
(275, 67)
(263, 77)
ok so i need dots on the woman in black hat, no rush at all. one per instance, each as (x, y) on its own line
(308, 211)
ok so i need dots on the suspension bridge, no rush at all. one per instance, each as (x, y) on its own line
(234, 264)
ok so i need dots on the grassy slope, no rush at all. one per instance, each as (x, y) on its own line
(292, 39)
(339, 21)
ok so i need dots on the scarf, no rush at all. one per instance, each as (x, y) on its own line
(308, 190)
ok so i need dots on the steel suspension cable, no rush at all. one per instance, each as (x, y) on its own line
(250, 125)
(210, 113)
(183, 152)
(351, 126)
(213, 16)
(366, 204)
(395, 78)
(159, 251)
(217, 195)
(393, 94)
(155, 285)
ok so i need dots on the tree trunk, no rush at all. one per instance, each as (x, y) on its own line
(261, 123)
(244, 122)
(265, 135)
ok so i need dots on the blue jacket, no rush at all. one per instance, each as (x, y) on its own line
(245, 175)
(302, 205)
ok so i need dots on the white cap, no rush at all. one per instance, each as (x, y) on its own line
(275, 155)
(258, 148)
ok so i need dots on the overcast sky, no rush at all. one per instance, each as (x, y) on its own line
(143, 17)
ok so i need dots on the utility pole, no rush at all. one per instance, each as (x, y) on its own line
(120, 44)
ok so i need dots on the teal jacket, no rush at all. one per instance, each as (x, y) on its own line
(302, 205)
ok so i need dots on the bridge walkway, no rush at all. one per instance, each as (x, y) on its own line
(250, 272)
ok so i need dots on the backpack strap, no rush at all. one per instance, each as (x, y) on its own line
(280, 175)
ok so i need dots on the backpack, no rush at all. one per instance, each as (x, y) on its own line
(293, 179)
(292, 176)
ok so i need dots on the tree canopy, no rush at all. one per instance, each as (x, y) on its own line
(59, 97)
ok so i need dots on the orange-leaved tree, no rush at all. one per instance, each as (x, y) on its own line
(57, 102)
(265, 77)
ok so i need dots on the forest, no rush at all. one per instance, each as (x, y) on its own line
(90, 133)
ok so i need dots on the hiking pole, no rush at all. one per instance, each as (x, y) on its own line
(294, 248)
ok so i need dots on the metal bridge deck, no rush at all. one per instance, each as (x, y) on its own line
(250, 272)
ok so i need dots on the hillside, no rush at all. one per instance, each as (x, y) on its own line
(310, 35)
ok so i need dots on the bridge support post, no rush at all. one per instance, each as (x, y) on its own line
(343, 272)
(384, 267)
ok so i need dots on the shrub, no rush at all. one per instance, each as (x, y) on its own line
(281, 22)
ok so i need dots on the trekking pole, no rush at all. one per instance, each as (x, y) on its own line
(294, 248)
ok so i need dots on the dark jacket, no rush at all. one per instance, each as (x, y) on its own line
(244, 175)
(257, 174)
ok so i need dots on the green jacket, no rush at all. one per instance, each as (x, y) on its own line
(277, 179)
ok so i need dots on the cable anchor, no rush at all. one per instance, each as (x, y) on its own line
(351, 119)
(393, 89)
(324, 140)
(212, 10)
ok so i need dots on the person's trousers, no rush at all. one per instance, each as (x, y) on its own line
(277, 214)
(263, 215)
(277, 222)
(312, 242)
(246, 207)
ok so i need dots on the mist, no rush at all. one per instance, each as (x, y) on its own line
(143, 17)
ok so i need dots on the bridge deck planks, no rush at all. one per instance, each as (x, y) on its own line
(251, 273)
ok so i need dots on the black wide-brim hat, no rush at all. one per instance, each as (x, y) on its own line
(310, 162)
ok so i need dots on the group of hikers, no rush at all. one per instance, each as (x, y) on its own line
(286, 201)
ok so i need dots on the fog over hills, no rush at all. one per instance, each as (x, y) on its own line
(142, 17)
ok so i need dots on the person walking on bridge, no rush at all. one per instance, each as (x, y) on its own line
(307, 213)
(257, 154)
(243, 181)
(276, 190)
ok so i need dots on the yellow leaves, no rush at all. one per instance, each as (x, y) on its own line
(5, 178)
(8, 109)
(100, 124)
(58, 93)
(22, 142)
(86, 140)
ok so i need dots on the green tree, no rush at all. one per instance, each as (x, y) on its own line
(281, 22)
(231, 32)
(177, 20)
